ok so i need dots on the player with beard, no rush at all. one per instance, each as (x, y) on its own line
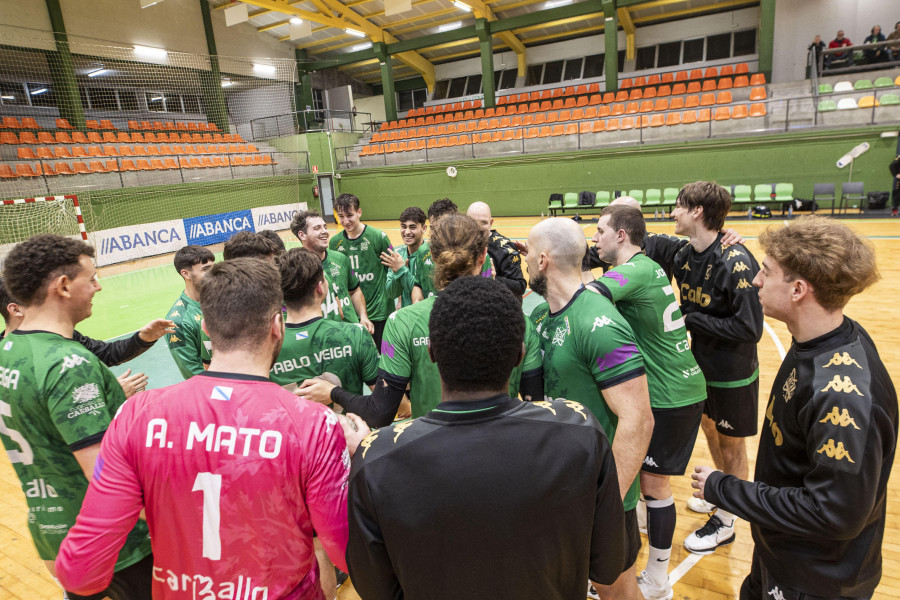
(235, 473)
(459, 247)
(590, 356)
(643, 294)
(343, 284)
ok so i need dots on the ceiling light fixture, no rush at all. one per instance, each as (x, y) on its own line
(96, 72)
(557, 3)
(359, 47)
(296, 21)
(40, 91)
(355, 32)
(462, 6)
(449, 26)
(148, 52)
(264, 69)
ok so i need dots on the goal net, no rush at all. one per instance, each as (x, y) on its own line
(24, 217)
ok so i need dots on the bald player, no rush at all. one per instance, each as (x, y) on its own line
(507, 261)
(590, 356)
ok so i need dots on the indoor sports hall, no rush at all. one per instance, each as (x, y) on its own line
(142, 126)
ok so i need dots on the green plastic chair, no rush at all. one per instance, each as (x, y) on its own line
(889, 100)
(762, 192)
(863, 84)
(637, 195)
(882, 82)
(571, 200)
(825, 88)
(827, 105)
(670, 195)
(554, 206)
(602, 200)
(742, 194)
(653, 198)
(784, 192)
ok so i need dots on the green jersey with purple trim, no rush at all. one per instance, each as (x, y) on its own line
(317, 346)
(342, 280)
(643, 294)
(189, 345)
(364, 253)
(57, 398)
(588, 347)
(404, 355)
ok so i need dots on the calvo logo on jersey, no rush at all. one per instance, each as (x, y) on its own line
(366, 276)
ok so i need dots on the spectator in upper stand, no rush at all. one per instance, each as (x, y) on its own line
(817, 46)
(894, 49)
(878, 54)
(839, 42)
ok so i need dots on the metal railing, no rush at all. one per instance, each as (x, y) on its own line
(782, 115)
(187, 173)
(304, 121)
(831, 61)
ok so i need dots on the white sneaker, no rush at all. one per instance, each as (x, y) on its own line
(709, 537)
(700, 506)
(652, 590)
(641, 513)
(592, 593)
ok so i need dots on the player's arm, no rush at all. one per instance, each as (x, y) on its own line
(377, 409)
(86, 561)
(400, 278)
(417, 294)
(367, 355)
(185, 347)
(745, 323)
(608, 534)
(630, 402)
(531, 382)
(325, 483)
(662, 248)
(594, 259)
(509, 271)
(369, 564)
(837, 495)
(359, 304)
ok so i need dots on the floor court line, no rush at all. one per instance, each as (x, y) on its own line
(683, 567)
(778, 344)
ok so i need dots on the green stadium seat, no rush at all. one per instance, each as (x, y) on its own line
(637, 195)
(889, 100)
(884, 82)
(742, 194)
(602, 200)
(784, 192)
(863, 84)
(554, 206)
(825, 88)
(670, 195)
(653, 198)
(570, 200)
(762, 192)
(827, 105)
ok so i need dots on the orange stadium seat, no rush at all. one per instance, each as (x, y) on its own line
(741, 81)
(112, 166)
(689, 116)
(63, 138)
(662, 104)
(585, 127)
(627, 123)
(81, 168)
(110, 151)
(649, 92)
(45, 153)
(63, 124)
(673, 118)
(611, 125)
(694, 87)
(62, 168)
(97, 167)
(635, 94)
(757, 110)
(46, 169)
(704, 114)
(707, 99)
(79, 138)
(92, 124)
(679, 89)
(95, 151)
(711, 73)
(757, 79)
(667, 78)
(740, 112)
(758, 93)
(128, 165)
(696, 74)
(8, 137)
(724, 97)
(646, 106)
(106, 124)
(709, 85)
(11, 123)
(723, 113)
(741, 68)
(690, 102)
(157, 164)
(724, 84)
(125, 151)
(27, 137)
(94, 137)
(25, 154)
(30, 123)
(62, 152)
(726, 71)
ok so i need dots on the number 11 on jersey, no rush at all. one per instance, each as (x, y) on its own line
(211, 486)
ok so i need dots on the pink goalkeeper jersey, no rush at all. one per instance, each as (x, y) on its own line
(236, 475)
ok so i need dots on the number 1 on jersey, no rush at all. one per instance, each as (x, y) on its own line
(354, 262)
(211, 486)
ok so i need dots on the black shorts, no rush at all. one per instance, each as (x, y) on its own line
(632, 539)
(760, 585)
(131, 583)
(674, 433)
(734, 410)
(379, 333)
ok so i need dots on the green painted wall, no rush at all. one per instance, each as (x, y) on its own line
(521, 185)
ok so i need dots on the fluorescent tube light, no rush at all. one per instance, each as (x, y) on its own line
(40, 91)
(449, 26)
(264, 69)
(359, 47)
(148, 52)
(96, 72)
(355, 32)
(462, 6)
(557, 3)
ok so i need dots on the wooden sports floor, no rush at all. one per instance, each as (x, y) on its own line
(714, 577)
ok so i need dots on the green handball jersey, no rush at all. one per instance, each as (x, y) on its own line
(643, 295)
(56, 398)
(423, 269)
(588, 347)
(189, 345)
(364, 254)
(319, 346)
(400, 283)
(404, 356)
(341, 280)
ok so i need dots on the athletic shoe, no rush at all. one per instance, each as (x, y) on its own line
(341, 577)
(652, 590)
(641, 513)
(592, 593)
(709, 537)
(700, 506)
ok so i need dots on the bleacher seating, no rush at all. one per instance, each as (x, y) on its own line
(657, 101)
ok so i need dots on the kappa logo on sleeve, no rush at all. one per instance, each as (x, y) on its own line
(842, 418)
(835, 451)
(740, 267)
(734, 253)
(846, 385)
(70, 362)
(842, 359)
